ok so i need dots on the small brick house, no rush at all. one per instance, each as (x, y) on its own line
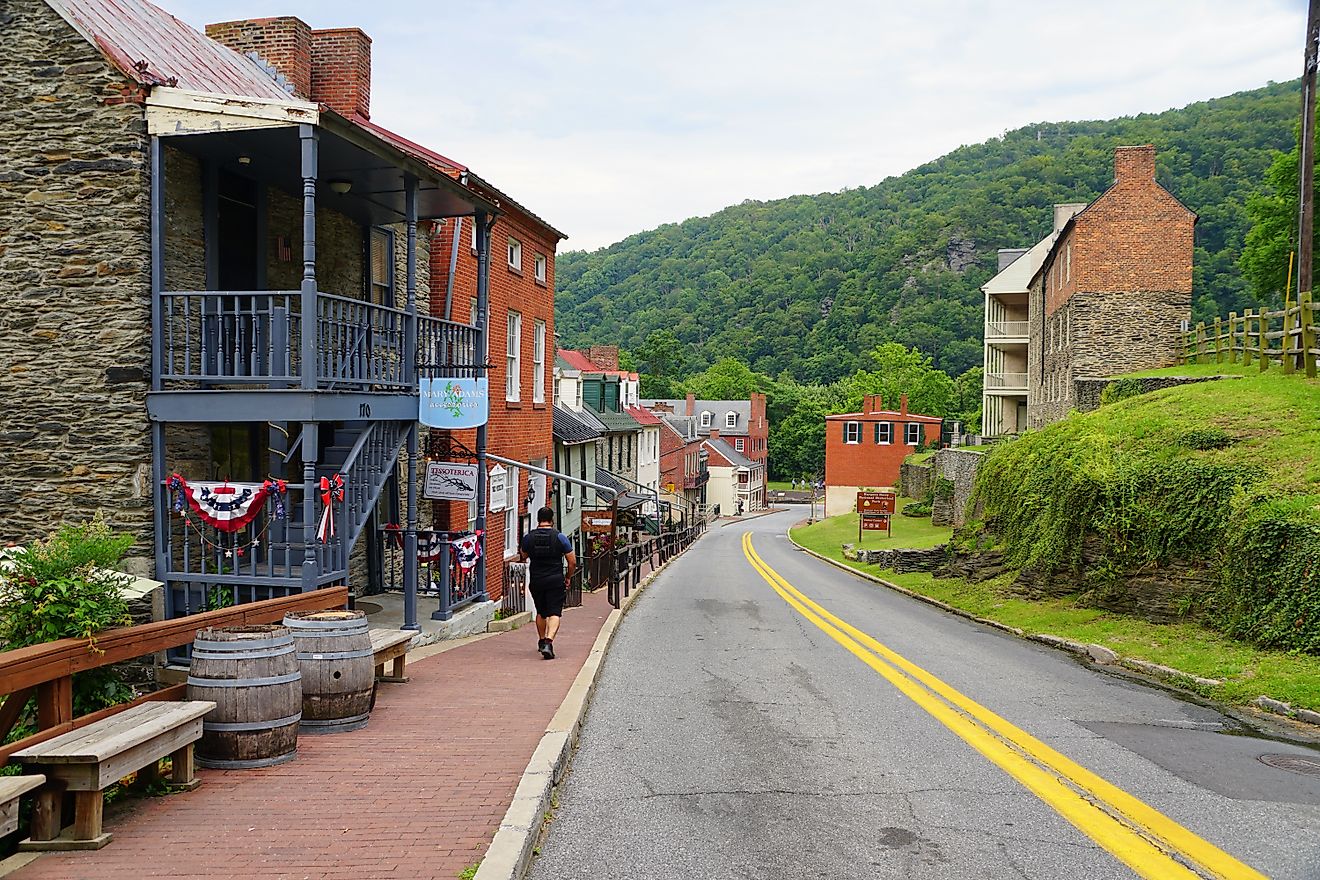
(1114, 290)
(737, 482)
(863, 450)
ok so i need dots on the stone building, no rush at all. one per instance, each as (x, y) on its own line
(218, 267)
(1108, 292)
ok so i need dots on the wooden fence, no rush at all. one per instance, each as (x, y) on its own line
(47, 670)
(1286, 337)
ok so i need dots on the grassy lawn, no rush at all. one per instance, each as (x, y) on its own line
(920, 457)
(907, 531)
(779, 485)
(1247, 672)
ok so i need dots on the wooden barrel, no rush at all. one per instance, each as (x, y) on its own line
(251, 674)
(334, 651)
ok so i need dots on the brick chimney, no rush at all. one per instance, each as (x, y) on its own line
(341, 70)
(285, 43)
(902, 404)
(1135, 164)
(758, 410)
(604, 356)
(868, 404)
(691, 404)
(714, 433)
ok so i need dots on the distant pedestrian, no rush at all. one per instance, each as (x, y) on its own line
(547, 548)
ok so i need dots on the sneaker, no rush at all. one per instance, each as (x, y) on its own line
(546, 647)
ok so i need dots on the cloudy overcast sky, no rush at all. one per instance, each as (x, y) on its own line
(608, 118)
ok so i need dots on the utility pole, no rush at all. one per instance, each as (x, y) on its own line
(1306, 152)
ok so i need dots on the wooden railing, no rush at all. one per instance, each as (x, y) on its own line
(1286, 336)
(47, 670)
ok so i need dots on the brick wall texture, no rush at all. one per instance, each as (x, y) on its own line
(341, 70)
(1114, 291)
(520, 430)
(75, 333)
(284, 43)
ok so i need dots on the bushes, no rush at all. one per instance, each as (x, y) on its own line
(1120, 389)
(61, 588)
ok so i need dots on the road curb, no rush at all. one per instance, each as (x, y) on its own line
(511, 850)
(1098, 656)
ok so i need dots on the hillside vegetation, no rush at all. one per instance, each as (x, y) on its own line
(807, 285)
(1221, 477)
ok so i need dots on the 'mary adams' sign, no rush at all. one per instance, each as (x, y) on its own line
(453, 404)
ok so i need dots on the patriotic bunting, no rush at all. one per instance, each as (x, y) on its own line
(227, 506)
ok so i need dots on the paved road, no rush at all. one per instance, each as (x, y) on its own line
(735, 735)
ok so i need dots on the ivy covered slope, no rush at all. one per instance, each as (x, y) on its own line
(807, 284)
(1221, 477)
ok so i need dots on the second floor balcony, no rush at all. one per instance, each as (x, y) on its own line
(252, 340)
(1001, 382)
(1007, 331)
(697, 480)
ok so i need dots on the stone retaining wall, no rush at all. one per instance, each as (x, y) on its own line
(916, 480)
(1088, 391)
(900, 560)
(959, 467)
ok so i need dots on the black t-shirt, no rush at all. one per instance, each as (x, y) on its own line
(546, 548)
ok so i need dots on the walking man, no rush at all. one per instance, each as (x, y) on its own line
(547, 548)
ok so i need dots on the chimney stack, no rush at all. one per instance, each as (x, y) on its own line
(604, 356)
(714, 433)
(341, 71)
(285, 43)
(1136, 164)
(691, 404)
(902, 404)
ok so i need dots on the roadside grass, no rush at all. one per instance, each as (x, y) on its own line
(920, 457)
(778, 486)
(908, 531)
(1247, 672)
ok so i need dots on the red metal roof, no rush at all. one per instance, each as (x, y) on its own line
(643, 416)
(154, 48)
(578, 361)
(430, 157)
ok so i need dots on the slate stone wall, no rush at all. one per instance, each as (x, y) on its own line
(958, 466)
(74, 267)
(916, 480)
(1088, 391)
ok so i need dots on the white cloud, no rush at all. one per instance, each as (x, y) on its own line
(607, 118)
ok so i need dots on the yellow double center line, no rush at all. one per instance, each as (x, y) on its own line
(1145, 840)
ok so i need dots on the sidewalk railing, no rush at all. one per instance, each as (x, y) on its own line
(635, 561)
(439, 573)
(1286, 337)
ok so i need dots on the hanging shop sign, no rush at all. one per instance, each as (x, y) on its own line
(498, 486)
(450, 481)
(452, 404)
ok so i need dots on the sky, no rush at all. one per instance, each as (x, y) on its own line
(609, 118)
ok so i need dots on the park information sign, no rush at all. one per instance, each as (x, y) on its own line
(450, 481)
(873, 512)
(453, 404)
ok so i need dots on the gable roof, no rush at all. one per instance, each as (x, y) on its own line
(644, 417)
(719, 410)
(617, 422)
(1017, 275)
(683, 426)
(726, 451)
(154, 48)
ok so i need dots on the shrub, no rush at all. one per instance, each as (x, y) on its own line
(1204, 438)
(1120, 389)
(917, 508)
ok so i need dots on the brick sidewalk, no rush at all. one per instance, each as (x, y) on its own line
(418, 793)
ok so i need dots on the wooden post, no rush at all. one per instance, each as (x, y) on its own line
(1200, 341)
(183, 769)
(1232, 337)
(1262, 325)
(55, 702)
(1289, 351)
(48, 810)
(87, 811)
(1219, 349)
(1306, 150)
(1308, 334)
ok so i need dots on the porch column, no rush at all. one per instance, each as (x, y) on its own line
(484, 222)
(311, 442)
(410, 367)
(309, 141)
(159, 500)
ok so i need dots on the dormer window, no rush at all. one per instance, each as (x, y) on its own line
(731, 420)
(706, 419)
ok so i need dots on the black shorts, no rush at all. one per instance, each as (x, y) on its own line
(548, 596)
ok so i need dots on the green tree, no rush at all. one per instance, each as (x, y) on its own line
(728, 379)
(896, 371)
(1273, 234)
(660, 361)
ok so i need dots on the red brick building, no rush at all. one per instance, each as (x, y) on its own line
(1113, 291)
(742, 423)
(863, 450)
(521, 349)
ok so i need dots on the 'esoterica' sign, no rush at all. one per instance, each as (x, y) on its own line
(450, 481)
(453, 403)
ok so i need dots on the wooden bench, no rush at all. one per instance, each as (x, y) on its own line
(11, 788)
(387, 645)
(88, 760)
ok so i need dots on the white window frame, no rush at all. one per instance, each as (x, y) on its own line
(852, 433)
(514, 250)
(539, 267)
(511, 513)
(884, 433)
(538, 362)
(738, 444)
(912, 431)
(706, 418)
(730, 420)
(513, 357)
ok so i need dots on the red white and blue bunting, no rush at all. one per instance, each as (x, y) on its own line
(332, 493)
(226, 506)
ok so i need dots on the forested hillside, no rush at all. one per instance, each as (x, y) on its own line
(809, 283)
